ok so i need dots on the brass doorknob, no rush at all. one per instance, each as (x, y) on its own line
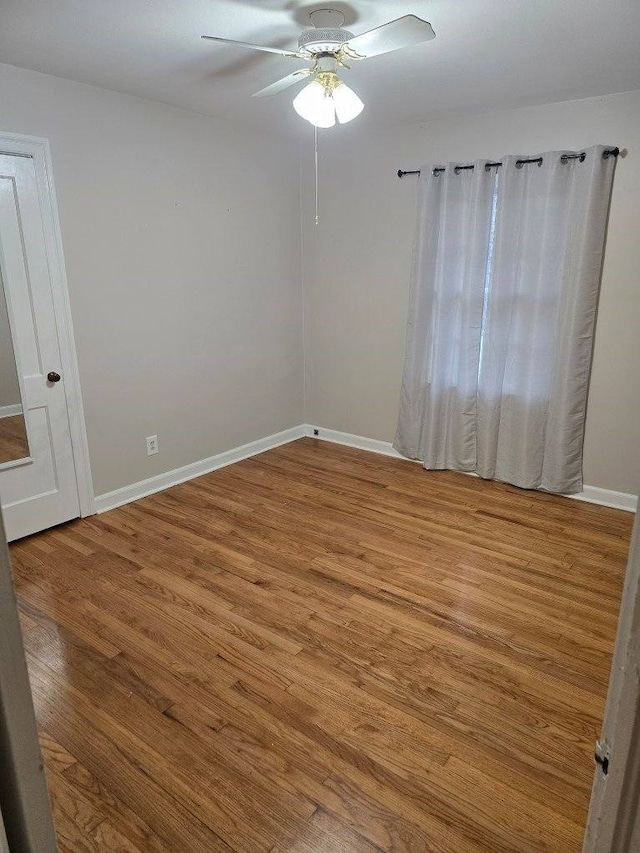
(53, 376)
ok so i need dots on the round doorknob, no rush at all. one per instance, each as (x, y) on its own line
(53, 376)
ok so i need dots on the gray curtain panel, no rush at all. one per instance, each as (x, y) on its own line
(505, 282)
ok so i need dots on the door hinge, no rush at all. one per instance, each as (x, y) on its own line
(602, 756)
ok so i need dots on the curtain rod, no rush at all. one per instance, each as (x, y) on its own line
(609, 152)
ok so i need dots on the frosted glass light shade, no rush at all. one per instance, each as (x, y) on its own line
(320, 106)
(347, 104)
(315, 105)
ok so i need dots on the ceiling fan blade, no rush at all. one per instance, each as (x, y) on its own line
(280, 85)
(255, 47)
(402, 32)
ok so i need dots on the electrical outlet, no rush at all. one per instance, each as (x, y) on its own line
(152, 445)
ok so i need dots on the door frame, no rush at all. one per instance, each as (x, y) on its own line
(37, 148)
(26, 822)
(613, 824)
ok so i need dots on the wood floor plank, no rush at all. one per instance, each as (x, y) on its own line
(323, 649)
(75, 818)
(325, 832)
(129, 825)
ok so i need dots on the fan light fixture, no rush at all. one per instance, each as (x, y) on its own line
(327, 45)
(326, 99)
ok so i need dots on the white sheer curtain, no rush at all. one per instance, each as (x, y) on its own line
(506, 276)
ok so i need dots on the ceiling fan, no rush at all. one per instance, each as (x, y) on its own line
(328, 47)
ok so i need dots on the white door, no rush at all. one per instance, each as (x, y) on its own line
(38, 486)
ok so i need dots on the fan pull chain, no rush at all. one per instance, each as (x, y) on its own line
(315, 144)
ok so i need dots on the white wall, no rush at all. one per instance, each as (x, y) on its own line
(356, 271)
(4, 844)
(182, 245)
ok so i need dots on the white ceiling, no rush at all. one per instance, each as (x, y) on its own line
(486, 54)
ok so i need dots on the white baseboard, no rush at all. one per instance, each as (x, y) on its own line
(607, 497)
(110, 500)
(10, 411)
(589, 494)
(357, 441)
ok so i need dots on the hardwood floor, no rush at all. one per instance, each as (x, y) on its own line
(324, 650)
(13, 438)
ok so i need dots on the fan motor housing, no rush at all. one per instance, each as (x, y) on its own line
(326, 40)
